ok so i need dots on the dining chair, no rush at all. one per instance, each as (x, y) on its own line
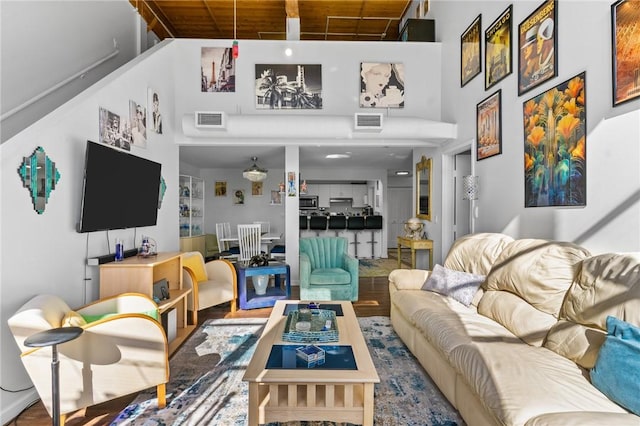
(249, 241)
(223, 246)
(265, 227)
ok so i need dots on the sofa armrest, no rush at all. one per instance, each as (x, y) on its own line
(584, 418)
(350, 264)
(408, 279)
(126, 303)
(305, 270)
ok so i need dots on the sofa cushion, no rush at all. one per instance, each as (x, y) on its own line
(517, 382)
(538, 271)
(522, 319)
(329, 276)
(607, 285)
(617, 370)
(458, 285)
(475, 253)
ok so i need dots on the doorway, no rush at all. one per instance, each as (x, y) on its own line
(399, 209)
(457, 161)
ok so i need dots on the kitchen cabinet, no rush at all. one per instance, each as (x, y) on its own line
(324, 195)
(358, 193)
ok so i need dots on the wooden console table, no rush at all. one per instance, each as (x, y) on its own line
(137, 275)
(415, 245)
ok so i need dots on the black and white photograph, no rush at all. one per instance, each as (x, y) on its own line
(153, 107)
(287, 86)
(381, 85)
(113, 131)
(138, 120)
(217, 70)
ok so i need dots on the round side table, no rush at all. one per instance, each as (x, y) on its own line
(53, 337)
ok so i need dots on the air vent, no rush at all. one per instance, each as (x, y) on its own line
(368, 121)
(211, 120)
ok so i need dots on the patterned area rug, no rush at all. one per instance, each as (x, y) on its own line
(206, 386)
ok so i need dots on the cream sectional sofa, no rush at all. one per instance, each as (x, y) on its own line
(521, 352)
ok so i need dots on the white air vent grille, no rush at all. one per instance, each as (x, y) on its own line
(210, 120)
(368, 121)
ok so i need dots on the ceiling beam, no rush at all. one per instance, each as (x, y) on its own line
(291, 7)
(212, 16)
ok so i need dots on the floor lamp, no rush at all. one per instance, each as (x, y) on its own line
(470, 192)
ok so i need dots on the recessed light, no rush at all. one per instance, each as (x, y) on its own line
(288, 51)
(402, 173)
(338, 156)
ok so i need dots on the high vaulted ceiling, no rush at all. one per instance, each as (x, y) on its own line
(340, 20)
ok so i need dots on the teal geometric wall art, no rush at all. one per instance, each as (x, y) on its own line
(163, 189)
(40, 176)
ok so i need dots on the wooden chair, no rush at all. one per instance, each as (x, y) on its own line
(223, 246)
(249, 241)
(123, 349)
(212, 283)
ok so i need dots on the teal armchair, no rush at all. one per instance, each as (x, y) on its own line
(327, 271)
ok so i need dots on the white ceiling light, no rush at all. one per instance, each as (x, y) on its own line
(337, 156)
(255, 173)
(402, 173)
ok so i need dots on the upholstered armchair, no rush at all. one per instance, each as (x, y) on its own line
(327, 271)
(122, 350)
(212, 283)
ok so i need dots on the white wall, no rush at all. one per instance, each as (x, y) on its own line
(44, 253)
(611, 219)
(46, 42)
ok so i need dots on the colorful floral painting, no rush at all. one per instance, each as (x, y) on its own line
(555, 132)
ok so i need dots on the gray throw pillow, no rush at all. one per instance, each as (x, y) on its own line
(460, 286)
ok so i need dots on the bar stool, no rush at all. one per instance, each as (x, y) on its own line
(355, 223)
(338, 223)
(304, 223)
(318, 223)
(374, 223)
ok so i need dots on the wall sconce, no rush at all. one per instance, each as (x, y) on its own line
(40, 176)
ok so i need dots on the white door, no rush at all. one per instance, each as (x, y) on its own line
(462, 226)
(399, 209)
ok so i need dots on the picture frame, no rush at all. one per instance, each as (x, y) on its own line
(238, 197)
(489, 126)
(220, 188)
(555, 155)
(538, 47)
(625, 29)
(217, 70)
(471, 52)
(288, 86)
(381, 85)
(291, 184)
(276, 198)
(256, 189)
(498, 61)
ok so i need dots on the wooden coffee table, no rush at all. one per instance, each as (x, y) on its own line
(340, 395)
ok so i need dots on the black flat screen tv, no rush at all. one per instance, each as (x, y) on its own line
(120, 190)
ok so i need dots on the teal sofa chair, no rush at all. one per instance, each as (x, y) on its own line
(327, 271)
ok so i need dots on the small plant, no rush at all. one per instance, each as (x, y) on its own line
(259, 260)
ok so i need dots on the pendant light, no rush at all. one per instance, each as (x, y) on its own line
(255, 173)
(235, 50)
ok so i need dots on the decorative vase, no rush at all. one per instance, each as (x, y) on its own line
(260, 283)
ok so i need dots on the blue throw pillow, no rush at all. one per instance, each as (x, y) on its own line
(617, 370)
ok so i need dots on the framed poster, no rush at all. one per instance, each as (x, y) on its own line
(276, 198)
(625, 33)
(256, 189)
(288, 86)
(497, 47)
(470, 52)
(555, 132)
(238, 196)
(221, 188)
(538, 47)
(381, 85)
(489, 127)
(217, 70)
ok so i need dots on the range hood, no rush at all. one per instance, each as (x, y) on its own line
(341, 201)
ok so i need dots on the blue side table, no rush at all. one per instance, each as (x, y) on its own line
(248, 297)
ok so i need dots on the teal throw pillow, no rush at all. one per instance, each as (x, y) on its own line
(617, 370)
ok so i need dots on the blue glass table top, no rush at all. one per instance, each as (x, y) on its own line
(336, 358)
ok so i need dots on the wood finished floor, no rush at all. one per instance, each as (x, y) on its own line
(373, 301)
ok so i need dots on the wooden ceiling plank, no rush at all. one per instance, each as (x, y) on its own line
(212, 16)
